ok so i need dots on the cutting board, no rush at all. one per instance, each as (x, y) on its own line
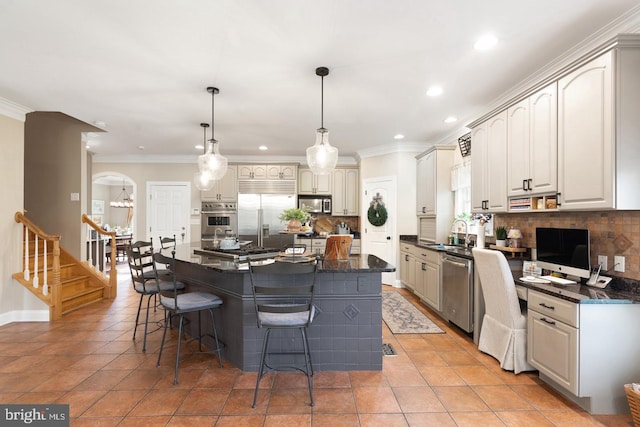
(338, 247)
(323, 225)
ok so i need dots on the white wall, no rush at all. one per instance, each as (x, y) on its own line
(16, 303)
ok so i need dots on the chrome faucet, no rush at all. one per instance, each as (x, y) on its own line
(215, 233)
(466, 229)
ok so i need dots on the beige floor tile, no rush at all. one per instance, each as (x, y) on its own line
(417, 399)
(375, 400)
(383, 420)
(460, 398)
(430, 419)
(501, 398)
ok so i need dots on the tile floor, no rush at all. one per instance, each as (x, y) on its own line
(89, 361)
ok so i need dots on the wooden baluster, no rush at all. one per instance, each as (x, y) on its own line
(45, 284)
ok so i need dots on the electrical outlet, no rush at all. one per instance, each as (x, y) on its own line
(602, 260)
(618, 263)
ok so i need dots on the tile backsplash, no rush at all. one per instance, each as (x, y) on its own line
(611, 233)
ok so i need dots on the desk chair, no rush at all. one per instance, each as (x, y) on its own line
(504, 325)
(179, 304)
(145, 281)
(283, 296)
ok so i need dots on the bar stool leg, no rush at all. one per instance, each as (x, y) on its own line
(265, 344)
(218, 350)
(307, 358)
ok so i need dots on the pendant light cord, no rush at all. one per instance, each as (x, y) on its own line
(322, 102)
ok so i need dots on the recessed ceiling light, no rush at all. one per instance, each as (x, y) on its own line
(263, 148)
(398, 136)
(485, 42)
(434, 91)
(140, 147)
(199, 147)
(451, 119)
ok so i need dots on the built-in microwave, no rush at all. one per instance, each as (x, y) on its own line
(314, 204)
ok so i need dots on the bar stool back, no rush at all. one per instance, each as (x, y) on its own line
(180, 303)
(283, 296)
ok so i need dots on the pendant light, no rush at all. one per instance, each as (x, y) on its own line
(322, 156)
(124, 200)
(212, 165)
(203, 179)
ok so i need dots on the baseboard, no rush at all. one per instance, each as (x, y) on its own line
(24, 316)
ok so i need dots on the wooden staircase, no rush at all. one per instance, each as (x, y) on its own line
(59, 279)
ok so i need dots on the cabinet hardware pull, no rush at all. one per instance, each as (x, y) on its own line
(529, 181)
(406, 257)
(550, 307)
(424, 266)
(524, 185)
(558, 199)
(549, 322)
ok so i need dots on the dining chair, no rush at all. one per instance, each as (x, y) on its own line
(145, 281)
(178, 304)
(504, 325)
(283, 296)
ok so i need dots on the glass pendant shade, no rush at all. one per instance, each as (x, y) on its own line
(322, 157)
(212, 162)
(203, 181)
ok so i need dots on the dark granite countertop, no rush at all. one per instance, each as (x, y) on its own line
(619, 291)
(357, 263)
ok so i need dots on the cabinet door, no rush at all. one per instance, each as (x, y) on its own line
(552, 347)
(432, 285)
(420, 271)
(478, 166)
(288, 172)
(543, 140)
(518, 154)
(274, 172)
(426, 185)
(585, 136)
(496, 171)
(245, 171)
(351, 193)
(306, 181)
(323, 184)
(228, 185)
(407, 272)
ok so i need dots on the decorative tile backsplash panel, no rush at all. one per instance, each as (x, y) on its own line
(612, 233)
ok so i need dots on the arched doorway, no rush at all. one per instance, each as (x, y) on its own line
(113, 202)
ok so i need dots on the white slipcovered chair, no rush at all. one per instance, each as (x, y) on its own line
(504, 325)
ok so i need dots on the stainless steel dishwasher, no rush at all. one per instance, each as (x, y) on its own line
(457, 291)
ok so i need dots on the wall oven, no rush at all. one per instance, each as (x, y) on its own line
(218, 218)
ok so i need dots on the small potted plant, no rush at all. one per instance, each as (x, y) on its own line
(296, 217)
(501, 236)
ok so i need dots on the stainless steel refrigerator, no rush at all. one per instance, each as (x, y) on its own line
(258, 219)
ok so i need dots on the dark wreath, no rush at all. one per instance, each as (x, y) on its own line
(377, 214)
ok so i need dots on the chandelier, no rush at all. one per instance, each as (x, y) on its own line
(211, 165)
(124, 199)
(322, 156)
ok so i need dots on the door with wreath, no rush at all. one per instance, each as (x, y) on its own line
(379, 222)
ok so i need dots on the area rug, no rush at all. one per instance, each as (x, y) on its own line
(402, 317)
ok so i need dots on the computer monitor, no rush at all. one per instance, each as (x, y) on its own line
(564, 250)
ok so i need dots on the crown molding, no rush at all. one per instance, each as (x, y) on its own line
(621, 32)
(14, 110)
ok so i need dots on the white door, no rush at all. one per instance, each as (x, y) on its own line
(168, 208)
(381, 240)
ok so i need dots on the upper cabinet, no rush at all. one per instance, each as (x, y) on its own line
(433, 187)
(345, 195)
(252, 171)
(489, 165)
(532, 144)
(310, 183)
(225, 189)
(282, 171)
(276, 171)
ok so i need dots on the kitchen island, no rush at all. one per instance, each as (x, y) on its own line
(345, 335)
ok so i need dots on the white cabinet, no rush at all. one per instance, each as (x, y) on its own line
(489, 165)
(252, 171)
(568, 343)
(586, 136)
(310, 183)
(433, 187)
(225, 189)
(532, 144)
(345, 196)
(427, 276)
(407, 266)
(282, 171)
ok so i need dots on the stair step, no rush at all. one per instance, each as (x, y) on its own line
(82, 299)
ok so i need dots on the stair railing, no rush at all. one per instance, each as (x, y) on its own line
(49, 289)
(99, 243)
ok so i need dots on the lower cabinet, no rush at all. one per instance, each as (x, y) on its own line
(407, 266)
(587, 351)
(427, 276)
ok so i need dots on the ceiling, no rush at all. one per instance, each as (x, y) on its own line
(139, 69)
